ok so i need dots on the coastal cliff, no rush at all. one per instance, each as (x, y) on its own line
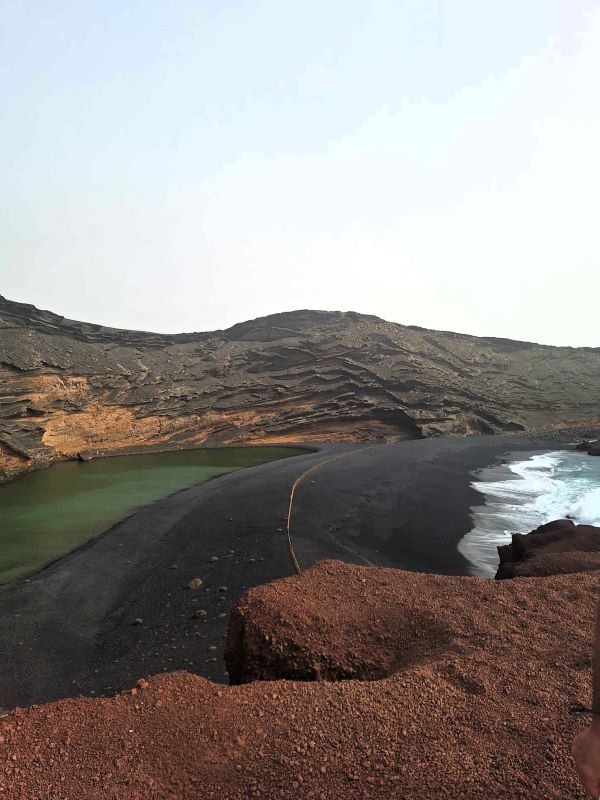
(557, 548)
(69, 388)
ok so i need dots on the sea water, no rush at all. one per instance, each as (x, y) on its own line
(45, 514)
(522, 494)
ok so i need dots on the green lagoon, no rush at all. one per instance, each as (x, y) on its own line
(45, 514)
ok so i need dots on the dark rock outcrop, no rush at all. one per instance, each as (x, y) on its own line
(71, 387)
(557, 548)
(589, 447)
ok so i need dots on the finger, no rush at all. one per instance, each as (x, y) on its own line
(587, 778)
(589, 781)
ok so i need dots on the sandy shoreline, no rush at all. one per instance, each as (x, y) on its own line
(69, 630)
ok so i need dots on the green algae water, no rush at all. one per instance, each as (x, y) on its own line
(45, 514)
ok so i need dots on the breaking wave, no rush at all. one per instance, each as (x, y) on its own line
(523, 494)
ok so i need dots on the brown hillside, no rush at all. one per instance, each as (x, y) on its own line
(69, 387)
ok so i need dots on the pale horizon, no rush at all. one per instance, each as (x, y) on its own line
(431, 163)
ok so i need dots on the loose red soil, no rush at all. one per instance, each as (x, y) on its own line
(474, 703)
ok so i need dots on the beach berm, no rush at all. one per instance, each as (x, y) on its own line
(461, 690)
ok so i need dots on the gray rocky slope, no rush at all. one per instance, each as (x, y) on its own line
(71, 387)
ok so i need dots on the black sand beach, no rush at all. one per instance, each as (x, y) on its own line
(119, 608)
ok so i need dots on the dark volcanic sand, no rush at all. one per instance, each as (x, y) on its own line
(71, 629)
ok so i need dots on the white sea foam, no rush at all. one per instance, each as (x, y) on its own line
(587, 510)
(524, 494)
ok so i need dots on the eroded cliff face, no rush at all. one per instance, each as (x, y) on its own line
(70, 387)
(559, 547)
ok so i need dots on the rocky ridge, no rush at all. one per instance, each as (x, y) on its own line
(70, 387)
(591, 447)
(460, 689)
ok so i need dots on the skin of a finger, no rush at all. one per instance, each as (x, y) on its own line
(586, 752)
(589, 782)
(588, 779)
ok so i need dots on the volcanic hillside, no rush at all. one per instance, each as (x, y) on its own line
(70, 387)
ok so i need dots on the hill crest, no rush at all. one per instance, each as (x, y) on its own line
(71, 387)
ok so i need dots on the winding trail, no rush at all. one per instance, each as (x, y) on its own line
(71, 628)
(296, 484)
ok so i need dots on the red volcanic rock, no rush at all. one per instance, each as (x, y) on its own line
(552, 564)
(559, 547)
(283, 630)
(473, 705)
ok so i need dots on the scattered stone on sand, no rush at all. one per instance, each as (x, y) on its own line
(138, 621)
(195, 583)
(223, 589)
(199, 613)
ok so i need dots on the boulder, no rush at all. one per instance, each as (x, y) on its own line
(591, 447)
(555, 548)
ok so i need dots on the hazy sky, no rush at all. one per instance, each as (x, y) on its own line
(186, 165)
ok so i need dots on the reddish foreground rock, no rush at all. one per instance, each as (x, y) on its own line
(557, 548)
(479, 677)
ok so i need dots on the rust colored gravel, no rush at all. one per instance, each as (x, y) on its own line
(479, 677)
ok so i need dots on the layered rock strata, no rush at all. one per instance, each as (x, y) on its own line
(70, 387)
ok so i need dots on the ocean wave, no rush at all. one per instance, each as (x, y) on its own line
(587, 510)
(526, 493)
